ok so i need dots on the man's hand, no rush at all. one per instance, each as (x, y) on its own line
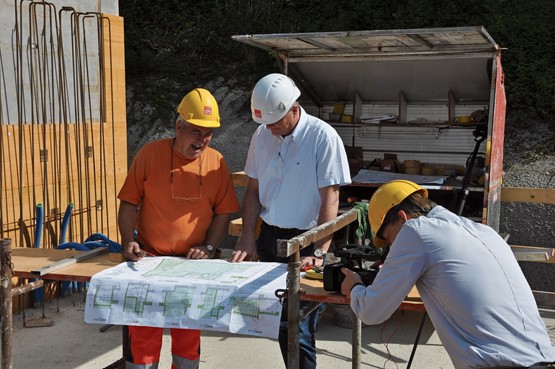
(351, 278)
(199, 252)
(245, 249)
(132, 251)
(308, 261)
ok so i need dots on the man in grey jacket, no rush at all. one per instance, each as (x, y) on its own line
(469, 280)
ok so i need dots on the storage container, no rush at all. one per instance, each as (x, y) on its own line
(404, 90)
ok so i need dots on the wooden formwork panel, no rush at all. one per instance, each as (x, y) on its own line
(88, 176)
(114, 62)
(62, 152)
(55, 164)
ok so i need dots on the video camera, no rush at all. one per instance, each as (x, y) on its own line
(354, 258)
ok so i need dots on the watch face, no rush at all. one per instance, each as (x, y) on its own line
(210, 248)
(318, 253)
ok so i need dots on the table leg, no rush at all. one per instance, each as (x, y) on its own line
(417, 339)
(356, 341)
(293, 310)
(6, 308)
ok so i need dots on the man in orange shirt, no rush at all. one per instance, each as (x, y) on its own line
(178, 196)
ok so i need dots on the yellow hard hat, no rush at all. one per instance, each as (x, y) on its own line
(200, 108)
(384, 199)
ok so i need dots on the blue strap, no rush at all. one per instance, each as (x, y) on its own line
(92, 242)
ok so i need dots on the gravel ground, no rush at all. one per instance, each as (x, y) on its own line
(528, 164)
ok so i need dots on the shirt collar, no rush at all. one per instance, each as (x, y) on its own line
(300, 125)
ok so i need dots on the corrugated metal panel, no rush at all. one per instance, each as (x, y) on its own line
(427, 144)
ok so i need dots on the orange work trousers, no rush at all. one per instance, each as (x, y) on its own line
(145, 344)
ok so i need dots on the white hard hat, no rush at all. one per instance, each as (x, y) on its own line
(272, 97)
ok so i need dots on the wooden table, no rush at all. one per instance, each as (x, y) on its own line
(313, 290)
(25, 260)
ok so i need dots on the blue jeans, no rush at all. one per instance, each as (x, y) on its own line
(266, 248)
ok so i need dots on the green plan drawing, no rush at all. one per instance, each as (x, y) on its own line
(178, 301)
(214, 303)
(253, 307)
(105, 297)
(136, 298)
(174, 292)
(206, 271)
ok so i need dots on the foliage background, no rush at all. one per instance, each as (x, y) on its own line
(173, 45)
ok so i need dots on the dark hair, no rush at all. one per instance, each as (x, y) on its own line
(415, 205)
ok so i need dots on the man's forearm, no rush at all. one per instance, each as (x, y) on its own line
(251, 209)
(217, 230)
(127, 221)
(328, 211)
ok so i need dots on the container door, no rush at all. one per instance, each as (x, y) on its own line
(495, 148)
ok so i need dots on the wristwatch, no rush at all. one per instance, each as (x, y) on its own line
(318, 253)
(210, 248)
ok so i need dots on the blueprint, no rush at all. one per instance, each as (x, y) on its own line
(173, 292)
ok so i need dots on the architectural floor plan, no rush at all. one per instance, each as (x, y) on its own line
(174, 292)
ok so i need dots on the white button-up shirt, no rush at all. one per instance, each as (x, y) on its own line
(290, 171)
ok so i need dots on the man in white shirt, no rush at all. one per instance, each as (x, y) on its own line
(295, 164)
(468, 278)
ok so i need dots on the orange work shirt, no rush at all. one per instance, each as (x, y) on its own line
(174, 218)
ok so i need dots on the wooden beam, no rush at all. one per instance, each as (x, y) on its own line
(285, 248)
(532, 253)
(16, 291)
(240, 179)
(535, 195)
(235, 227)
(544, 299)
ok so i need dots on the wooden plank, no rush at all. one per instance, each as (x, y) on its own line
(27, 259)
(285, 248)
(240, 179)
(114, 61)
(313, 290)
(11, 178)
(50, 268)
(533, 195)
(532, 253)
(544, 299)
(28, 287)
(102, 182)
(235, 227)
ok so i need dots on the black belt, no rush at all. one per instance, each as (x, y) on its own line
(278, 230)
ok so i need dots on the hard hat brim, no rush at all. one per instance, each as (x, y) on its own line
(203, 123)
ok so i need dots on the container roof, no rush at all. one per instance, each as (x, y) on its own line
(424, 64)
(380, 43)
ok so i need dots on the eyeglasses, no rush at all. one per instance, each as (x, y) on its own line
(199, 176)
